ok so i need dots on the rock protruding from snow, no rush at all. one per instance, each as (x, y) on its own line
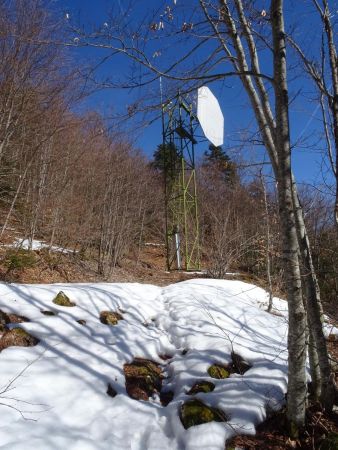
(63, 300)
(110, 317)
(194, 412)
(17, 337)
(143, 378)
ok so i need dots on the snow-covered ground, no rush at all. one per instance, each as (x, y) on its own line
(35, 244)
(60, 385)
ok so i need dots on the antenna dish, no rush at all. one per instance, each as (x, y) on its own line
(210, 116)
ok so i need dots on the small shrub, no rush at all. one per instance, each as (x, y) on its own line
(19, 259)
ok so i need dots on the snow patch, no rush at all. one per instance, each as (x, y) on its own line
(197, 322)
(34, 244)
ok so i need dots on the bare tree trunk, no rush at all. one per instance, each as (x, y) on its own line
(324, 384)
(297, 387)
(316, 384)
(268, 241)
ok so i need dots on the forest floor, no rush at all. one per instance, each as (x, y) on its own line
(149, 266)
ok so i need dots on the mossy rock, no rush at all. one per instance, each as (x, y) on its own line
(238, 365)
(17, 337)
(110, 317)
(219, 371)
(194, 412)
(48, 313)
(330, 442)
(63, 300)
(203, 386)
(143, 378)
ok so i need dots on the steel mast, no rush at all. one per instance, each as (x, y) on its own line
(182, 227)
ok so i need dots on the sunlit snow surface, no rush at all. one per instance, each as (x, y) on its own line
(26, 244)
(63, 387)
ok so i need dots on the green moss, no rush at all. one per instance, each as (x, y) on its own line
(194, 412)
(219, 371)
(330, 442)
(110, 317)
(19, 332)
(202, 386)
(19, 259)
(62, 300)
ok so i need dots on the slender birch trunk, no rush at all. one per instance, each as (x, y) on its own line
(297, 387)
(268, 241)
(323, 383)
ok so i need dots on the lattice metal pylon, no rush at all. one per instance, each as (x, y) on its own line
(182, 227)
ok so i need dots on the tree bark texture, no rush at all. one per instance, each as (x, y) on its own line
(297, 387)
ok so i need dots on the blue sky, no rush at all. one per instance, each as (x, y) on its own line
(304, 114)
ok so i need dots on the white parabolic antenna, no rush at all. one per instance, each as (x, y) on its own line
(210, 116)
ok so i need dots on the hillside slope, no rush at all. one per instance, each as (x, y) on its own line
(186, 328)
